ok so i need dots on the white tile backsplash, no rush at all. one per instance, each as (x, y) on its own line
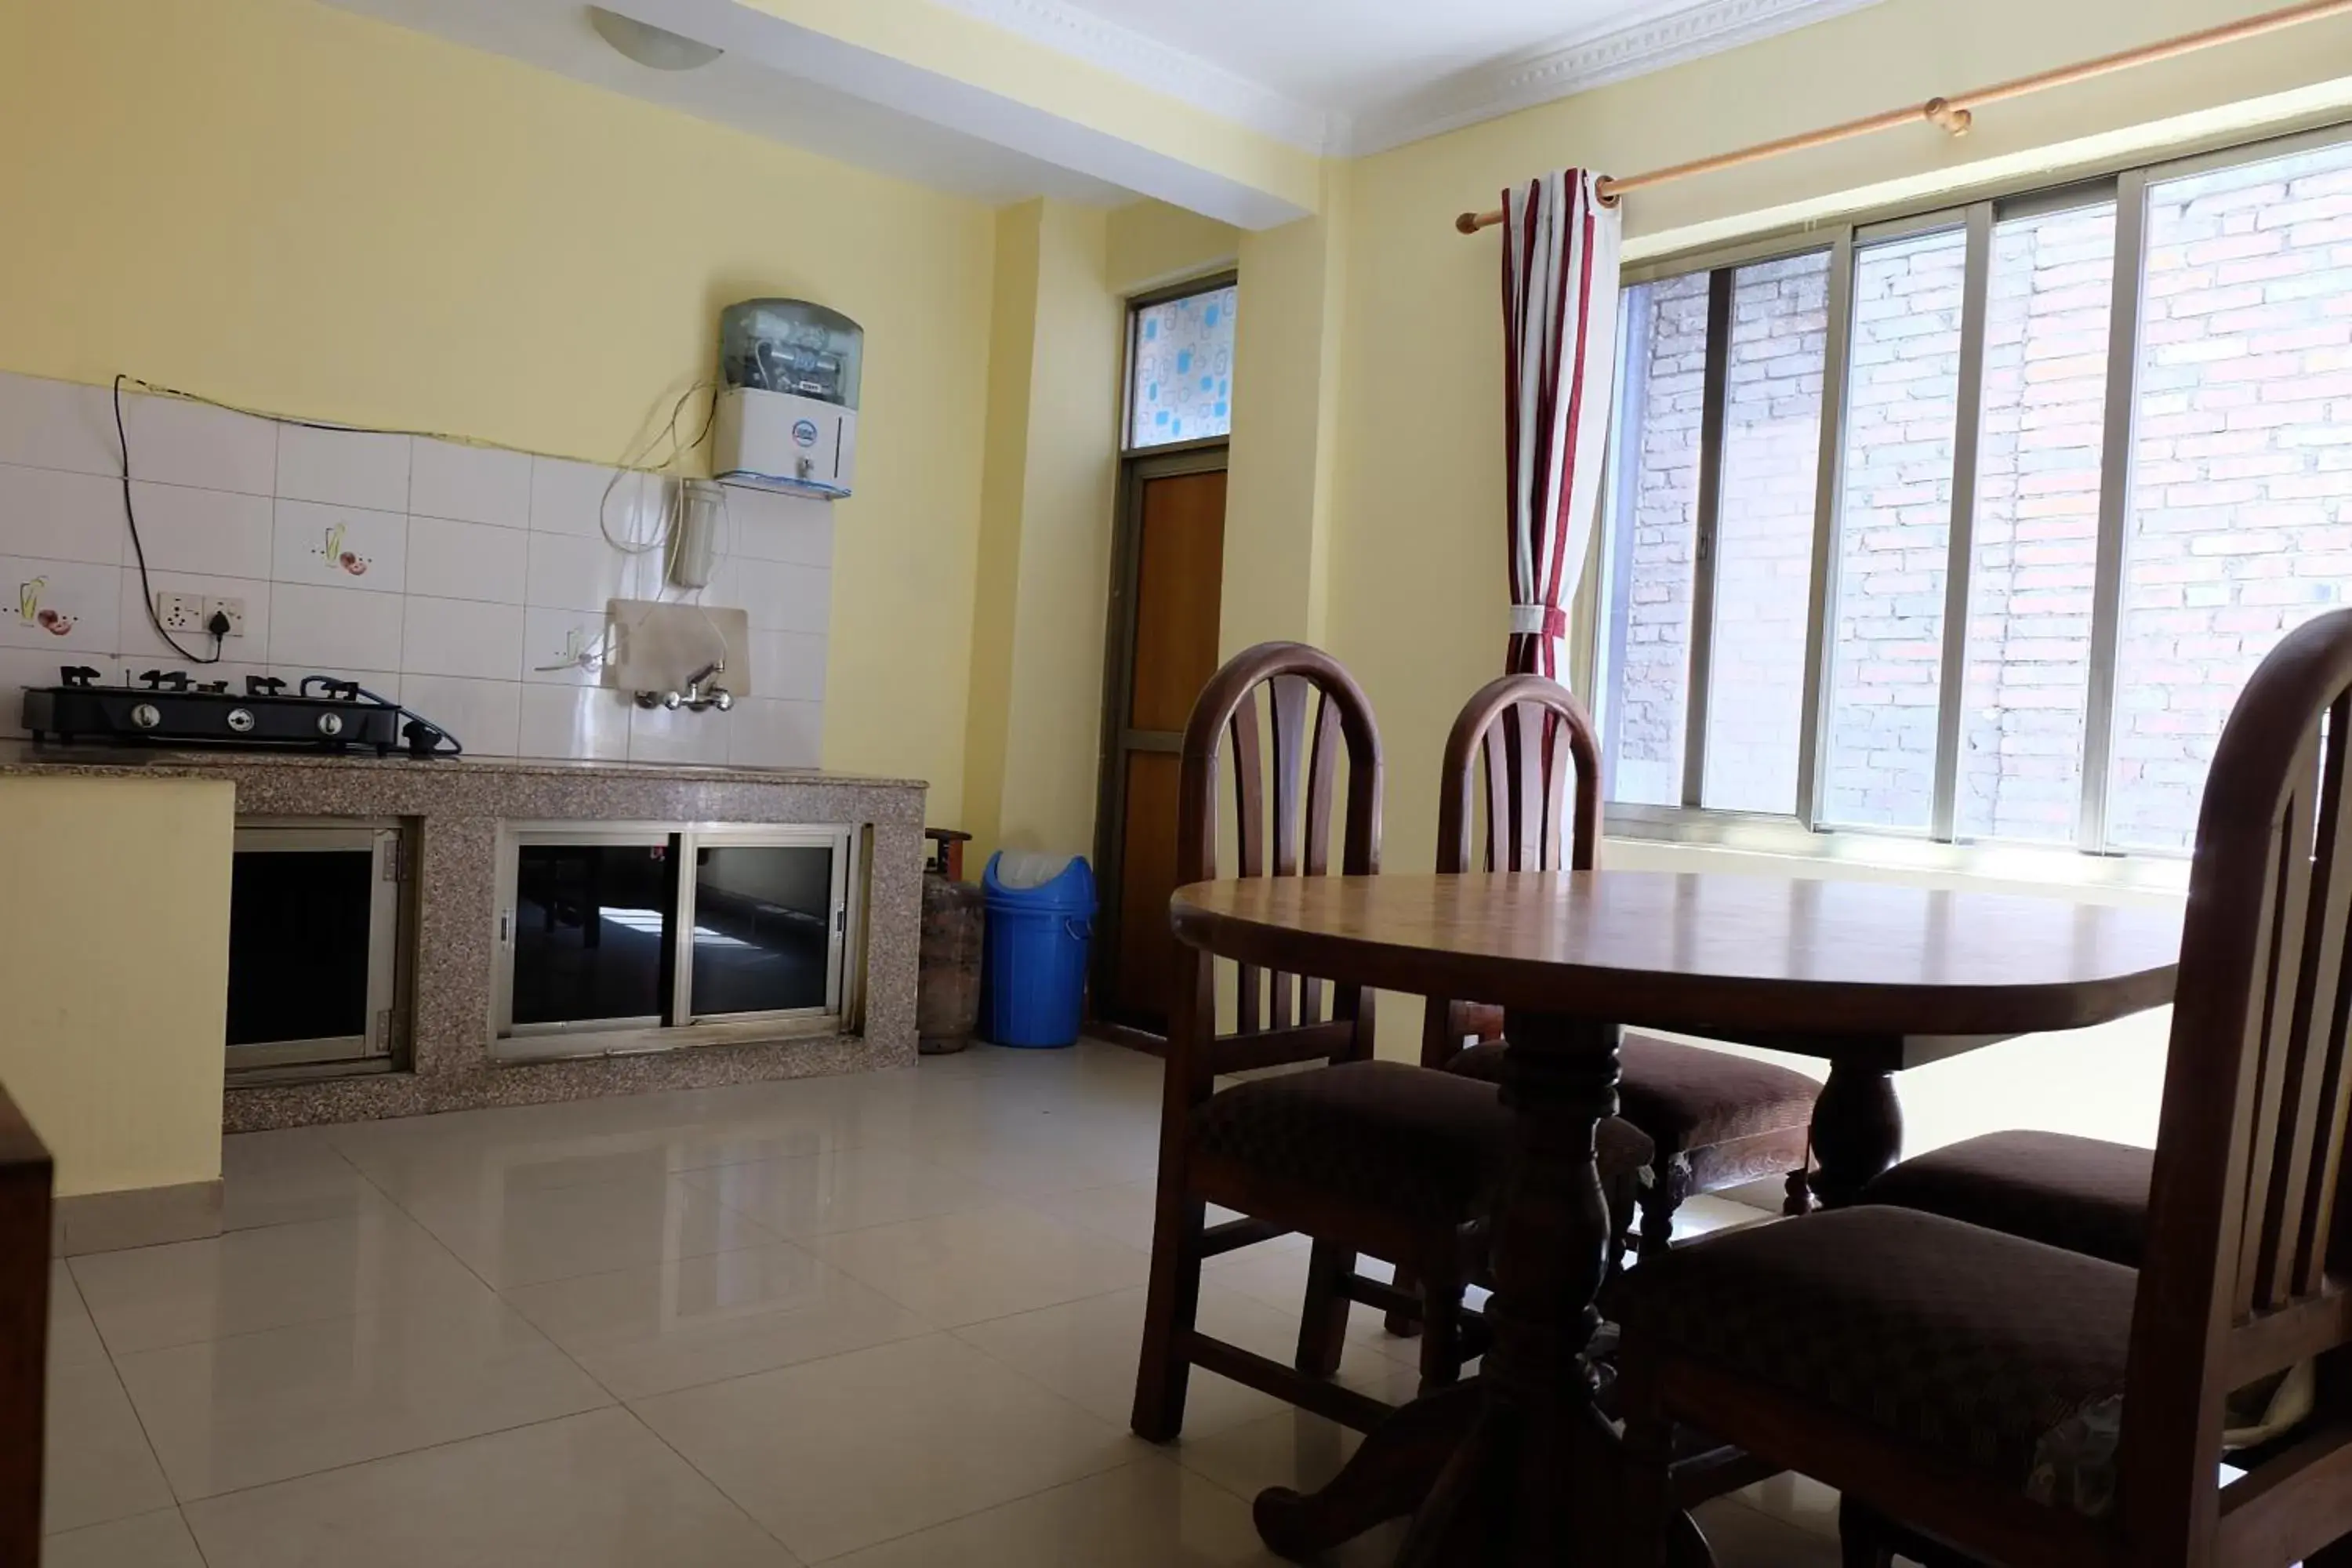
(70, 606)
(218, 532)
(480, 565)
(482, 714)
(343, 467)
(460, 637)
(342, 547)
(54, 515)
(332, 631)
(594, 501)
(450, 560)
(765, 734)
(780, 596)
(177, 442)
(575, 722)
(763, 526)
(137, 639)
(555, 643)
(570, 572)
(57, 425)
(679, 735)
(469, 484)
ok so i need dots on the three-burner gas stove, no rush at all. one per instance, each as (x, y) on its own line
(172, 707)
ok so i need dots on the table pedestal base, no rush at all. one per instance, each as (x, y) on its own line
(1512, 1467)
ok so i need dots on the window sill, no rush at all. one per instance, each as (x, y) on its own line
(1767, 847)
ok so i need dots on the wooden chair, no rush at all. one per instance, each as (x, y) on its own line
(1717, 1120)
(1366, 1156)
(2015, 1403)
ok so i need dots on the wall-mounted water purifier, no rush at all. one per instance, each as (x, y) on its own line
(787, 415)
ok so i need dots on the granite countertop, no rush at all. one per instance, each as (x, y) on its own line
(23, 757)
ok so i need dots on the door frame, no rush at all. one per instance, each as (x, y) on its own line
(1137, 471)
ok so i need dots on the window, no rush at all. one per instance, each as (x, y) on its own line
(1972, 524)
(1180, 376)
(640, 929)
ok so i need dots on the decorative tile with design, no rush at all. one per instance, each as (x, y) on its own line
(61, 604)
(341, 547)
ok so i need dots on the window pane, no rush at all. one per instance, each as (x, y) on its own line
(2037, 526)
(1180, 386)
(1653, 531)
(762, 926)
(2239, 527)
(1764, 533)
(1902, 416)
(590, 923)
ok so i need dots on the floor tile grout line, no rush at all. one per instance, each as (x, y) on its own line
(711, 1481)
(1128, 1463)
(302, 1476)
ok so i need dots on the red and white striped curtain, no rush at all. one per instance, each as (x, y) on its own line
(1559, 333)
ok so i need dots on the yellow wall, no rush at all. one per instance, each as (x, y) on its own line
(114, 959)
(1153, 245)
(287, 206)
(1042, 587)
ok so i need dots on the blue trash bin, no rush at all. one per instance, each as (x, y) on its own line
(1036, 963)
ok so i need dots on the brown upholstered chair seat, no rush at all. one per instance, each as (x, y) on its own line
(1401, 1139)
(1994, 1352)
(1688, 1099)
(2081, 1194)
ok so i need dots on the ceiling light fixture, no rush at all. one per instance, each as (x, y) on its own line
(648, 45)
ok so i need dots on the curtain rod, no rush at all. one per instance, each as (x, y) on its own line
(1956, 113)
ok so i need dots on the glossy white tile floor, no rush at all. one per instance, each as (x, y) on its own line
(886, 1321)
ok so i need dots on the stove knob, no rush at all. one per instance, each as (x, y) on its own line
(146, 715)
(241, 720)
(330, 723)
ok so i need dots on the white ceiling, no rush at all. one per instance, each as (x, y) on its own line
(1355, 56)
(1339, 77)
(743, 92)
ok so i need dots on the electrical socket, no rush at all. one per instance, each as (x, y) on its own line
(232, 608)
(181, 612)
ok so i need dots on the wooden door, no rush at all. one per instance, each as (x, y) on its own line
(1164, 649)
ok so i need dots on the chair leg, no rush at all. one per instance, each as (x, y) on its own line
(1163, 1371)
(1669, 1184)
(1800, 1189)
(1441, 1336)
(1403, 1324)
(1323, 1321)
(1861, 1537)
(1647, 1516)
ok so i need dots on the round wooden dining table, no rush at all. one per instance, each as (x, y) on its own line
(1515, 1465)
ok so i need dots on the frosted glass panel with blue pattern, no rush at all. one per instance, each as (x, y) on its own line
(1183, 385)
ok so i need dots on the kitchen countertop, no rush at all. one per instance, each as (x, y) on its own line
(23, 757)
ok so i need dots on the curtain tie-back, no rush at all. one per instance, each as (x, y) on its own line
(1539, 620)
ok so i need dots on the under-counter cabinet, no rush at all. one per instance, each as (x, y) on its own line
(317, 955)
(627, 936)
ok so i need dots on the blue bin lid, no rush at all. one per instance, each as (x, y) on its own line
(1070, 893)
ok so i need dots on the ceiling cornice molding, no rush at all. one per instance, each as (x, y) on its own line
(1149, 63)
(1667, 36)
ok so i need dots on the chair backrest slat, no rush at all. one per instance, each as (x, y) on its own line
(1249, 832)
(2312, 1059)
(2290, 901)
(2249, 1189)
(1285, 773)
(1322, 763)
(1529, 741)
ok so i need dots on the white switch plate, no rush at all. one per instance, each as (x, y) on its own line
(181, 612)
(232, 608)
